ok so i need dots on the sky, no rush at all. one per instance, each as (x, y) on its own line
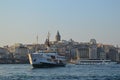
(22, 20)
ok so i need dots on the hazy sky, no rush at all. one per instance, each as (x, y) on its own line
(22, 20)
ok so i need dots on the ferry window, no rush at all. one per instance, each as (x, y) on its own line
(34, 60)
(53, 57)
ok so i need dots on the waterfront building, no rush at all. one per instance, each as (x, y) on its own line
(34, 47)
(19, 52)
(101, 53)
(119, 54)
(5, 56)
(93, 49)
(31, 48)
(73, 54)
(112, 54)
(83, 51)
(4, 53)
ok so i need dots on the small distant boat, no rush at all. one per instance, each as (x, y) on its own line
(89, 62)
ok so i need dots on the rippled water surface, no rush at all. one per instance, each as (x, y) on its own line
(70, 72)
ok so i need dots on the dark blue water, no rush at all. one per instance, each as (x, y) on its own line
(70, 72)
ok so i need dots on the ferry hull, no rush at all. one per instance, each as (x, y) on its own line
(46, 65)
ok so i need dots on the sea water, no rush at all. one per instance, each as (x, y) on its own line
(70, 72)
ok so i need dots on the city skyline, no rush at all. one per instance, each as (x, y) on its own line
(21, 21)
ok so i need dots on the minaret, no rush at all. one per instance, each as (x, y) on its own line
(37, 44)
(58, 37)
(47, 40)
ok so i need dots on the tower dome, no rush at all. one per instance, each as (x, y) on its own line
(92, 41)
(58, 37)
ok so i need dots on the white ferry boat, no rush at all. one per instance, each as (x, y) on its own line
(46, 59)
(89, 62)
